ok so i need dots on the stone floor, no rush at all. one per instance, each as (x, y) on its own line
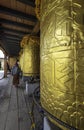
(1, 74)
(15, 107)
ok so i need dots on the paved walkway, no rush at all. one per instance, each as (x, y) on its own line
(5, 87)
(1, 74)
(15, 109)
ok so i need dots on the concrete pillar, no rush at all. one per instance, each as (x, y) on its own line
(5, 66)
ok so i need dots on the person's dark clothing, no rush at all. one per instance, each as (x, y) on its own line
(15, 72)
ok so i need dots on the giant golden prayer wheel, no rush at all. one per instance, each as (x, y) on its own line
(21, 59)
(30, 62)
(62, 60)
(12, 61)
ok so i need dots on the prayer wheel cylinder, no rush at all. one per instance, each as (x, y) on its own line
(12, 61)
(30, 63)
(62, 60)
(21, 61)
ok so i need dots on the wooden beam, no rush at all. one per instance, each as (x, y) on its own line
(13, 44)
(14, 30)
(10, 38)
(18, 24)
(12, 35)
(13, 38)
(16, 13)
(28, 2)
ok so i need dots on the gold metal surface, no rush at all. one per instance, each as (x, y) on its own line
(21, 61)
(12, 61)
(24, 40)
(29, 60)
(37, 8)
(62, 60)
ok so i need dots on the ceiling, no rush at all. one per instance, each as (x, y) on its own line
(17, 18)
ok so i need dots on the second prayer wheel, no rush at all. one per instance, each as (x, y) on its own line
(12, 61)
(30, 57)
(21, 59)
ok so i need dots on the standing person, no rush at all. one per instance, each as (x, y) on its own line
(15, 72)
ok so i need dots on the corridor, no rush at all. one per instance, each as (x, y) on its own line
(15, 107)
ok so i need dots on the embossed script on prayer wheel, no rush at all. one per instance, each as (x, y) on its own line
(62, 60)
(30, 58)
